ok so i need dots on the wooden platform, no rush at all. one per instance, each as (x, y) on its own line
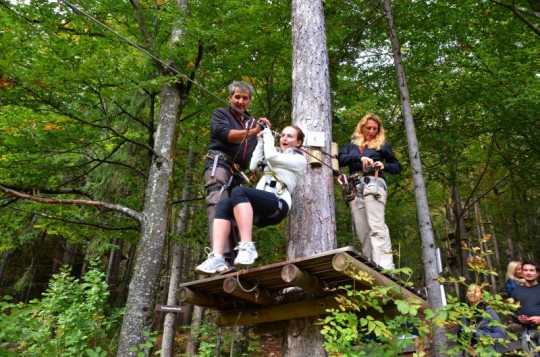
(292, 289)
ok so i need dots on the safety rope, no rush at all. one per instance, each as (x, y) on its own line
(244, 289)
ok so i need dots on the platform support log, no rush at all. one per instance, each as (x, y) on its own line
(346, 264)
(191, 297)
(295, 310)
(246, 291)
(295, 276)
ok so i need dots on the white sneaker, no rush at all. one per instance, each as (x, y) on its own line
(213, 264)
(246, 253)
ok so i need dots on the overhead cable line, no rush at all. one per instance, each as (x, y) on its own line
(142, 49)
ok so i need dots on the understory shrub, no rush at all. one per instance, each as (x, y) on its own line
(72, 319)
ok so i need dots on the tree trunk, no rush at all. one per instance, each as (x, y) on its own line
(193, 341)
(122, 291)
(3, 263)
(435, 297)
(169, 326)
(113, 269)
(482, 236)
(69, 254)
(139, 311)
(462, 238)
(196, 316)
(312, 227)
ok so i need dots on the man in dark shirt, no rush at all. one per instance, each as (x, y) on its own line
(528, 296)
(233, 137)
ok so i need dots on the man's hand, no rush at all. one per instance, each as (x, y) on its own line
(266, 122)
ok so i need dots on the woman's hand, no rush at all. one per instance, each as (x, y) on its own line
(367, 163)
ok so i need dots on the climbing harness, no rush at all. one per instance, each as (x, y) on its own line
(355, 184)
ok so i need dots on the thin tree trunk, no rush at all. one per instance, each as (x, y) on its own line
(313, 227)
(169, 326)
(483, 240)
(69, 254)
(435, 297)
(122, 292)
(3, 263)
(462, 238)
(196, 323)
(113, 268)
(196, 318)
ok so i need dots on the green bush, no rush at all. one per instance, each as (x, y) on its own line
(362, 323)
(70, 320)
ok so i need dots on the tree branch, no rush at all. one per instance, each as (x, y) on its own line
(518, 12)
(81, 223)
(113, 207)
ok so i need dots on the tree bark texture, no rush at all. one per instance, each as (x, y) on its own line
(312, 226)
(140, 301)
(424, 220)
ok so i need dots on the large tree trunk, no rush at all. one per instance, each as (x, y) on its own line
(312, 227)
(140, 301)
(139, 312)
(435, 297)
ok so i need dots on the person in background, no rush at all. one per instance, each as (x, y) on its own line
(480, 324)
(528, 296)
(233, 137)
(267, 204)
(514, 277)
(369, 157)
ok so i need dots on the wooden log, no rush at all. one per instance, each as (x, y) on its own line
(246, 291)
(295, 276)
(346, 264)
(272, 317)
(274, 328)
(191, 297)
(295, 310)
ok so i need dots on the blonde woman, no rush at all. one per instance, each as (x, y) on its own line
(514, 276)
(369, 157)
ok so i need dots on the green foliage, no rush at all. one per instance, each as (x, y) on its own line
(361, 324)
(206, 335)
(143, 348)
(70, 320)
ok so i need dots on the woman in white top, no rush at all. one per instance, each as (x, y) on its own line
(268, 204)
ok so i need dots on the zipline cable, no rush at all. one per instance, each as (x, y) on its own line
(142, 49)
